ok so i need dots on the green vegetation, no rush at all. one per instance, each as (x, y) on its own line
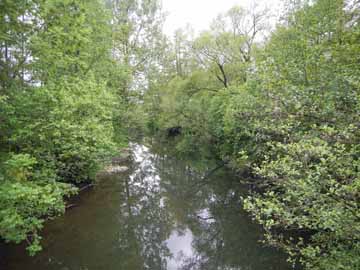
(56, 111)
(284, 110)
(63, 103)
(281, 106)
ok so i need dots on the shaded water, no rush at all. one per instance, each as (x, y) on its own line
(161, 214)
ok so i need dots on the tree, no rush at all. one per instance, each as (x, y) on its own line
(286, 118)
(58, 123)
(19, 21)
(227, 48)
(136, 27)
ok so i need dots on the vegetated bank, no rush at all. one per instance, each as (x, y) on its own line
(62, 108)
(167, 211)
(285, 111)
(281, 107)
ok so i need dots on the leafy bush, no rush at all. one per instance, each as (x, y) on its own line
(28, 197)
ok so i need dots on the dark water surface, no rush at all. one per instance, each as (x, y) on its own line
(161, 214)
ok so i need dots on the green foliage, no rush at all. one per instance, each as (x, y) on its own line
(19, 167)
(285, 112)
(313, 188)
(57, 110)
(25, 206)
(28, 197)
(288, 117)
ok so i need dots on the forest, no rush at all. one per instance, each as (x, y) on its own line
(279, 103)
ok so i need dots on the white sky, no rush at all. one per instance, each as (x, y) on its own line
(200, 13)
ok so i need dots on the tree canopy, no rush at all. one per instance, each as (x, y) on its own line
(280, 106)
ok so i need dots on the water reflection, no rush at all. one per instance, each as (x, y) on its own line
(180, 246)
(165, 213)
(144, 222)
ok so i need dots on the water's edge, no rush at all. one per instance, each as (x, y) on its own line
(163, 213)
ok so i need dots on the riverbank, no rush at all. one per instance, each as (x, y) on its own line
(159, 213)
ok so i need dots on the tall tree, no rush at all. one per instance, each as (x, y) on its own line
(227, 48)
(19, 21)
(136, 38)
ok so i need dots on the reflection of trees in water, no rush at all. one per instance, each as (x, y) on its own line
(164, 194)
(223, 235)
(127, 221)
(144, 222)
(228, 241)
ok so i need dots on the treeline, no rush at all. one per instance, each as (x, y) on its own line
(284, 109)
(281, 106)
(67, 68)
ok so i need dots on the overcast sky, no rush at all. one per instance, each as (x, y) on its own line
(199, 13)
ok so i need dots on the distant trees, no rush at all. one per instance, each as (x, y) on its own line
(284, 111)
(227, 49)
(137, 36)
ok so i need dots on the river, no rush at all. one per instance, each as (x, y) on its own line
(166, 212)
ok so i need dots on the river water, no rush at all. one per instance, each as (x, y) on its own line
(166, 212)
